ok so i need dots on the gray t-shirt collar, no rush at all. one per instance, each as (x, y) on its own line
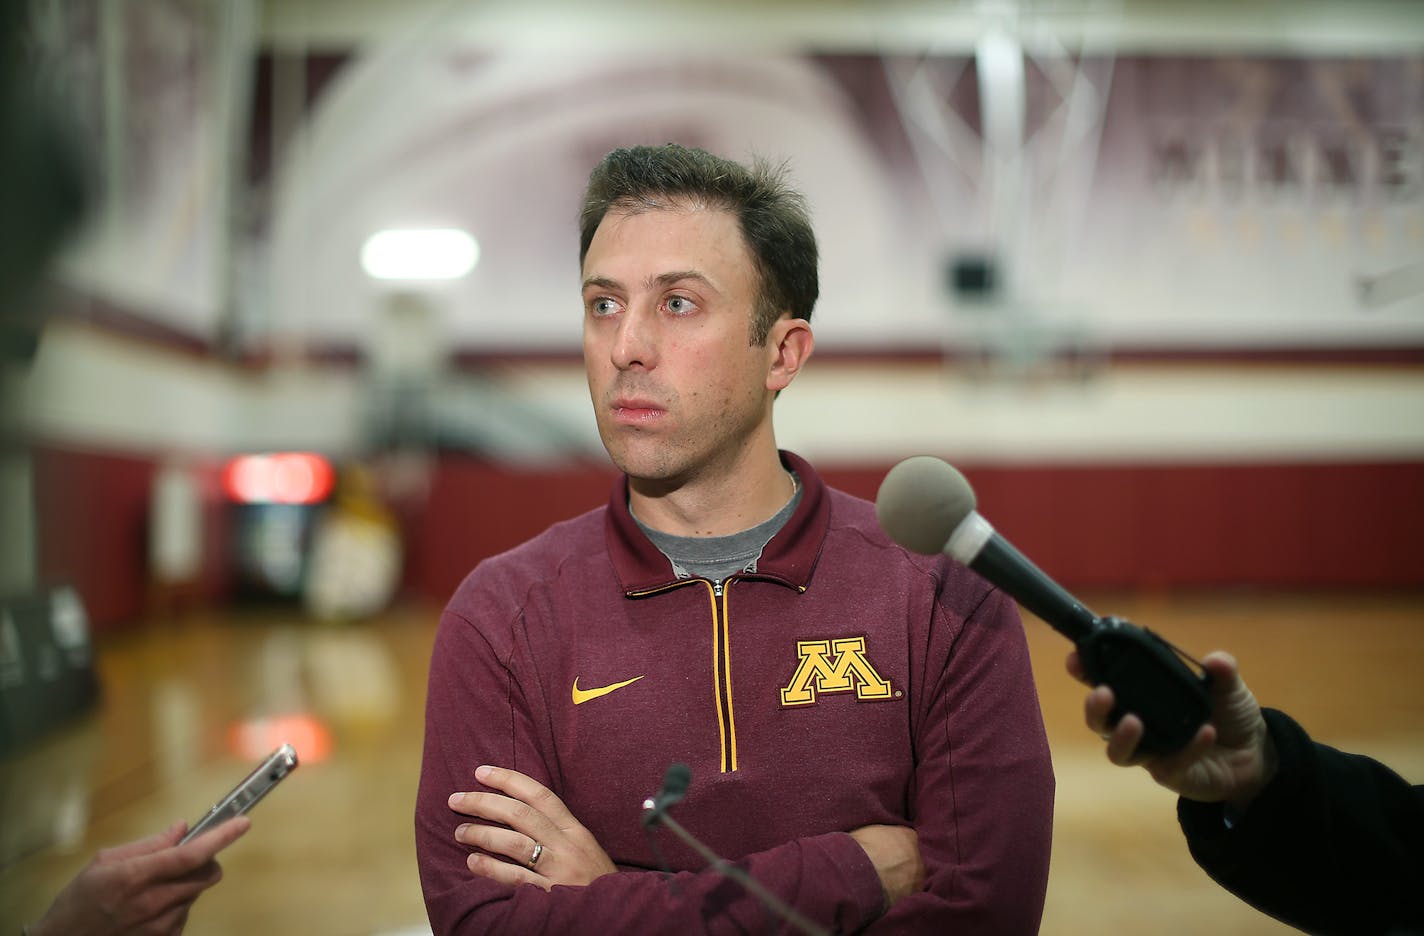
(716, 557)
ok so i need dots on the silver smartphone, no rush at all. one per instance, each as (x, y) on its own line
(245, 795)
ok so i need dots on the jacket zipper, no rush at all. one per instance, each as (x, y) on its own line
(721, 665)
(722, 676)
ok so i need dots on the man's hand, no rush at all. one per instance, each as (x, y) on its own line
(144, 887)
(1230, 760)
(567, 854)
(895, 852)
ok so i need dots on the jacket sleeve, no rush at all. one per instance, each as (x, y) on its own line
(1335, 844)
(476, 708)
(983, 800)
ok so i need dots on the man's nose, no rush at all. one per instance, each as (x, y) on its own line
(635, 340)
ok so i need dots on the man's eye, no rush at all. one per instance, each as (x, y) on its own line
(603, 306)
(679, 305)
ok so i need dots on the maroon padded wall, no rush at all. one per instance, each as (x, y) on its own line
(1277, 525)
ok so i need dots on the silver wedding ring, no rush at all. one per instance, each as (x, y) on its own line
(534, 858)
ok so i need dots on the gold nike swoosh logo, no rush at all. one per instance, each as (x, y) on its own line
(583, 695)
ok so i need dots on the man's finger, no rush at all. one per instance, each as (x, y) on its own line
(1221, 661)
(219, 837)
(146, 902)
(156, 842)
(1097, 708)
(507, 811)
(527, 790)
(1123, 742)
(189, 857)
(1224, 672)
(504, 872)
(516, 846)
(1169, 769)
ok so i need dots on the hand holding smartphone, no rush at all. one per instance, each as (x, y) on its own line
(246, 794)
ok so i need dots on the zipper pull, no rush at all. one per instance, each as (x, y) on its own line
(717, 588)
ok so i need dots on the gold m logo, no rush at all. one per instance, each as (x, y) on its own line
(833, 666)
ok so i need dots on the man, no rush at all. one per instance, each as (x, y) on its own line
(861, 724)
(1323, 840)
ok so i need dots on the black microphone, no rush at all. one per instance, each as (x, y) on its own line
(675, 783)
(926, 506)
(655, 811)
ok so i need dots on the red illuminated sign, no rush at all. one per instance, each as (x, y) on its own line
(279, 478)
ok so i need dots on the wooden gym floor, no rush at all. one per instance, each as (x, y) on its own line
(331, 852)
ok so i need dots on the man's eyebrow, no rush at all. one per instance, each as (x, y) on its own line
(668, 279)
(602, 282)
(662, 279)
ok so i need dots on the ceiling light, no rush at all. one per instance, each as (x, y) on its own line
(419, 254)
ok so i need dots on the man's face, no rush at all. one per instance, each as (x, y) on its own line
(677, 388)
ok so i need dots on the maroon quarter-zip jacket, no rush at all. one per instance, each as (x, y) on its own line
(846, 682)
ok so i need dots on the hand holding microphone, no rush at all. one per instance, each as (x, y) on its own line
(1231, 759)
(926, 506)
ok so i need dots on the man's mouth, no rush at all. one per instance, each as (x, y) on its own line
(632, 410)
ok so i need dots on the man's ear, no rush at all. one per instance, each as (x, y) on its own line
(790, 342)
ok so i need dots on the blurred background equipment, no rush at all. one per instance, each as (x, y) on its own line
(175, 538)
(277, 498)
(46, 666)
(354, 567)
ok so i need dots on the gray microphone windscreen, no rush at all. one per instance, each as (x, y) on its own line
(921, 501)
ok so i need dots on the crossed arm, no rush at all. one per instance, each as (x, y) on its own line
(530, 815)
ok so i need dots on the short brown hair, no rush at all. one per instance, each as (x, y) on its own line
(772, 216)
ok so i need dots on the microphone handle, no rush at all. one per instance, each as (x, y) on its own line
(1148, 676)
(753, 886)
(999, 562)
(1150, 679)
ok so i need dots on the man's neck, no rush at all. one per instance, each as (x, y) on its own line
(714, 505)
